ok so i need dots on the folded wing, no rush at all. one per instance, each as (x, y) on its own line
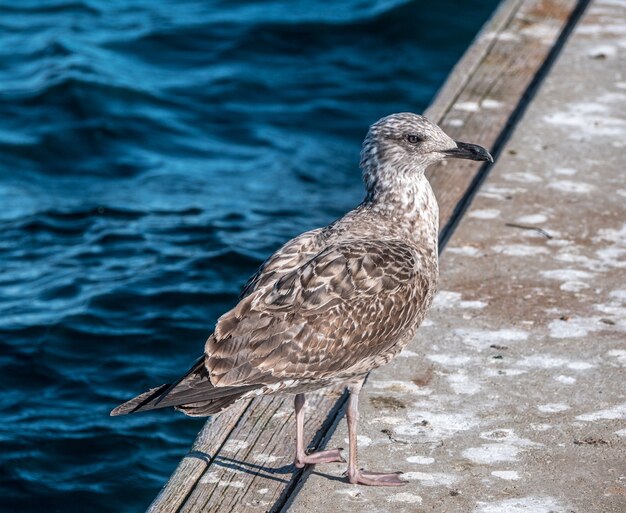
(344, 306)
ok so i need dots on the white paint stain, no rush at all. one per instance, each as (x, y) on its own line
(482, 339)
(488, 454)
(612, 256)
(588, 119)
(547, 361)
(619, 354)
(566, 274)
(503, 36)
(614, 3)
(580, 365)
(449, 299)
(464, 250)
(266, 458)
(570, 254)
(546, 34)
(611, 235)
(552, 407)
(421, 460)
(488, 103)
(574, 327)
(449, 359)
(394, 385)
(522, 176)
(467, 106)
(354, 493)
(615, 413)
(215, 478)
(235, 445)
(497, 192)
(487, 213)
(428, 479)
(521, 505)
(210, 478)
(619, 294)
(557, 242)
(508, 475)
(602, 51)
(492, 373)
(436, 425)
(606, 28)
(385, 419)
(573, 286)
(461, 383)
(566, 380)
(532, 219)
(520, 250)
(509, 436)
(406, 497)
(607, 257)
(566, 171)
(508, 36)
(571, 187)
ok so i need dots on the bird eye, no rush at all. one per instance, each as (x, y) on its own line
(413, 139)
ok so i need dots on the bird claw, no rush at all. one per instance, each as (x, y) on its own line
(329, 456)
(365, 477)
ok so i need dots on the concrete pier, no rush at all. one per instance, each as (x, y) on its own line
(513, 397)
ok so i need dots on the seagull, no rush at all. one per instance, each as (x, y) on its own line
(335, 302)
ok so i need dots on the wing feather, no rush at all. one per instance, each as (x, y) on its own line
(340, 306)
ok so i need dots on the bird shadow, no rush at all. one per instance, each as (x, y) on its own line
(339, 479)
(246, 467)
(271, 473)
(291, 477)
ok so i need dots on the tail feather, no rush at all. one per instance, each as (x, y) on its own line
(141, 402)
(193, 394)
(209, 407)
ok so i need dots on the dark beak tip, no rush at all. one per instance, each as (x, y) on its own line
(470, 152)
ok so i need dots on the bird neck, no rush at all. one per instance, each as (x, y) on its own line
(405, 198)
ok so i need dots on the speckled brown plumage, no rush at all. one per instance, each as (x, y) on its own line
(336, 302)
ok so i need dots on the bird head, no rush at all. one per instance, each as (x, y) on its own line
(407, 143)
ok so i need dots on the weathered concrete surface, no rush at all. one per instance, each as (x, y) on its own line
(512, 399)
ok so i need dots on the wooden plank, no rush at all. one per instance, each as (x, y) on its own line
(473, 56)
(242, 460)
(191, 468)
(254, 469)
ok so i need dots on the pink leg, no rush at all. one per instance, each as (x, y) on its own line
(355, 474)
(302, 458)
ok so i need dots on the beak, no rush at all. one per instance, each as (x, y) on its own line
(468, 151)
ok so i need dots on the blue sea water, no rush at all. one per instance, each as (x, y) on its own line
(152, 154)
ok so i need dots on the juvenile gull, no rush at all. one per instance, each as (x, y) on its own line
(335, 302)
